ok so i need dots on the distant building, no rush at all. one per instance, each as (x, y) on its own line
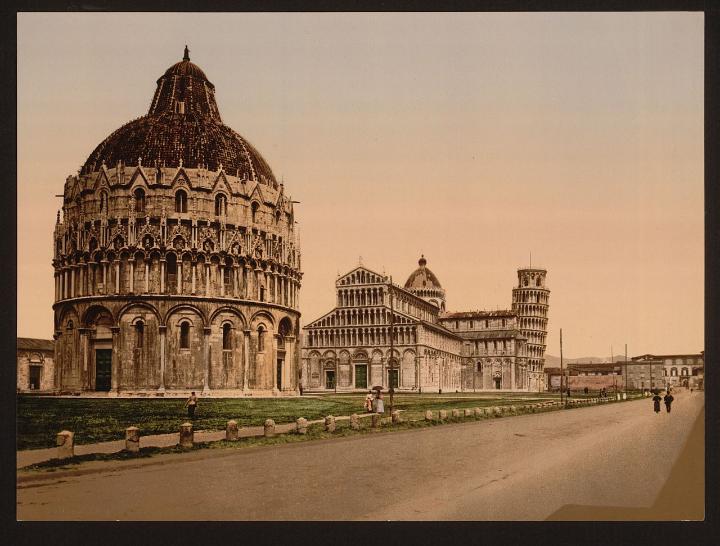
(676, 370)
(35, 365)
(581, 375)
(349, 347)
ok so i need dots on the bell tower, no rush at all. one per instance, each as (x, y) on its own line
(530, 301)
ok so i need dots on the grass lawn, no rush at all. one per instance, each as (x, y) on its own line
(102, 419)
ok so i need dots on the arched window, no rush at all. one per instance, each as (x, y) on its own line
(539, 281)
(70, 326)
(220, 205)
(171, 270)
(103, 201)
(261, 338)
(180, 201)
(253, 209)
(139, 200)
(139, 334)
(684, 371)
(262, 293)
(185, 335)
(673, 372)
(479, 366)
(227, 337)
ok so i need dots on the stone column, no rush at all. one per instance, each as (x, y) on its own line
(246, 357)
(131, 262)
(512, 375)
(221, 269)
(163, 336)
(147, 275)
(72, 281)
(162, 275)
(236, 279)
(117, 275)
(115, 362)
(207, 279)
(273, 362)
(179, 281)
(194, 273)
(206, 353)
(84, 349)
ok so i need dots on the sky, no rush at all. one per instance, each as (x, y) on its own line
(475, 139)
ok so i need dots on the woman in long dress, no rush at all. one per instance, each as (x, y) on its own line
(379, 404)
(656, 402)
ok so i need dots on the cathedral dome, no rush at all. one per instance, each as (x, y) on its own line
(182, 127)
(422, 277)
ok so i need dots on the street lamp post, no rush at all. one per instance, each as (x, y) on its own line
(562, 374)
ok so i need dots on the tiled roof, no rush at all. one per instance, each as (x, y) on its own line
(32, 344)
(478, 314)
(491, 334)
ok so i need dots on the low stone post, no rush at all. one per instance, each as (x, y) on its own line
(442, 414)
(302, 425)
(396, 417)
(618, 396)
(231, 431)
(186, 435)
(624, 395)
(354, 422)
(375, 420)
(65, 444)
(329, 423)
(497, 411)
(513, 410)
(132, 439)
(468, 412)
(269, 430)
(478, 413)
(456, 414)
(428, 415)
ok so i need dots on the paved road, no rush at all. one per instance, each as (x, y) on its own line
(517, 468)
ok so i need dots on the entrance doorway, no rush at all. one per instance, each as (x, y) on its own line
(329, 379)
(103, 367)
(497, 382)
(361, 376)
(393, 378)
(279, 373)
(34, 377)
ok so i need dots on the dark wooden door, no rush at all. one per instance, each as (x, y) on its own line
(361, 376)
(103, 366)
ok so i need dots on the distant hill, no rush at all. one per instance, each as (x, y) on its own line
(554, 361)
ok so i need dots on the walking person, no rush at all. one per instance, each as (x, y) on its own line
(191, 404)
(656, 403)
(668, 401)
(378, 403)
(368, 402)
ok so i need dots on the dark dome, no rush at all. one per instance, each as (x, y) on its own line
(184, 126)
(422, 277)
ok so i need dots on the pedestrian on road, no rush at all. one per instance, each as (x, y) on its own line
(656, 403)
(668, 401)
(586, 390)
(191, 404)
(378, 403)
(369, 402)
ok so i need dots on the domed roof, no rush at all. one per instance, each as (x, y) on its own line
(183, 126)
(422, 277)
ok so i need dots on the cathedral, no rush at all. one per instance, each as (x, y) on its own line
(383, 334)
(177, 266)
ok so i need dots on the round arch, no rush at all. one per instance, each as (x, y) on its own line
(184, 307)
(230, 310)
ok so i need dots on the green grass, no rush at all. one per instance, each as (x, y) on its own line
(99, 419)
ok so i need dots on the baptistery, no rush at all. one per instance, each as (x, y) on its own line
(177, 266)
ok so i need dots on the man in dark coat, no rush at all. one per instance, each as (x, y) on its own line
(668, 401)
(656, 403)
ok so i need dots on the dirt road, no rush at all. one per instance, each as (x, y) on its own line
(518, 468)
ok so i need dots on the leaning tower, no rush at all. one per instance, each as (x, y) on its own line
(530, 301)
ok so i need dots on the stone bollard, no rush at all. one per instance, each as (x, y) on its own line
(186, 435)
(354, 422)
(468, 413)
(396, 417)
(375, 420)
(618, 396)
(624, 396)
(64, 442)
(428, 415)
(269, 430)
(513, 410)
(497, 411)
(442, 414)
(329, 423)
(302, 425)
(456, 414)
(231, 431)
(132, 439)
(478, 413)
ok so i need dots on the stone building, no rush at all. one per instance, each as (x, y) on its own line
(349, 347)
(35, 365)
(677, 370)
(176, 262)
(530, 301)
(434, 349)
